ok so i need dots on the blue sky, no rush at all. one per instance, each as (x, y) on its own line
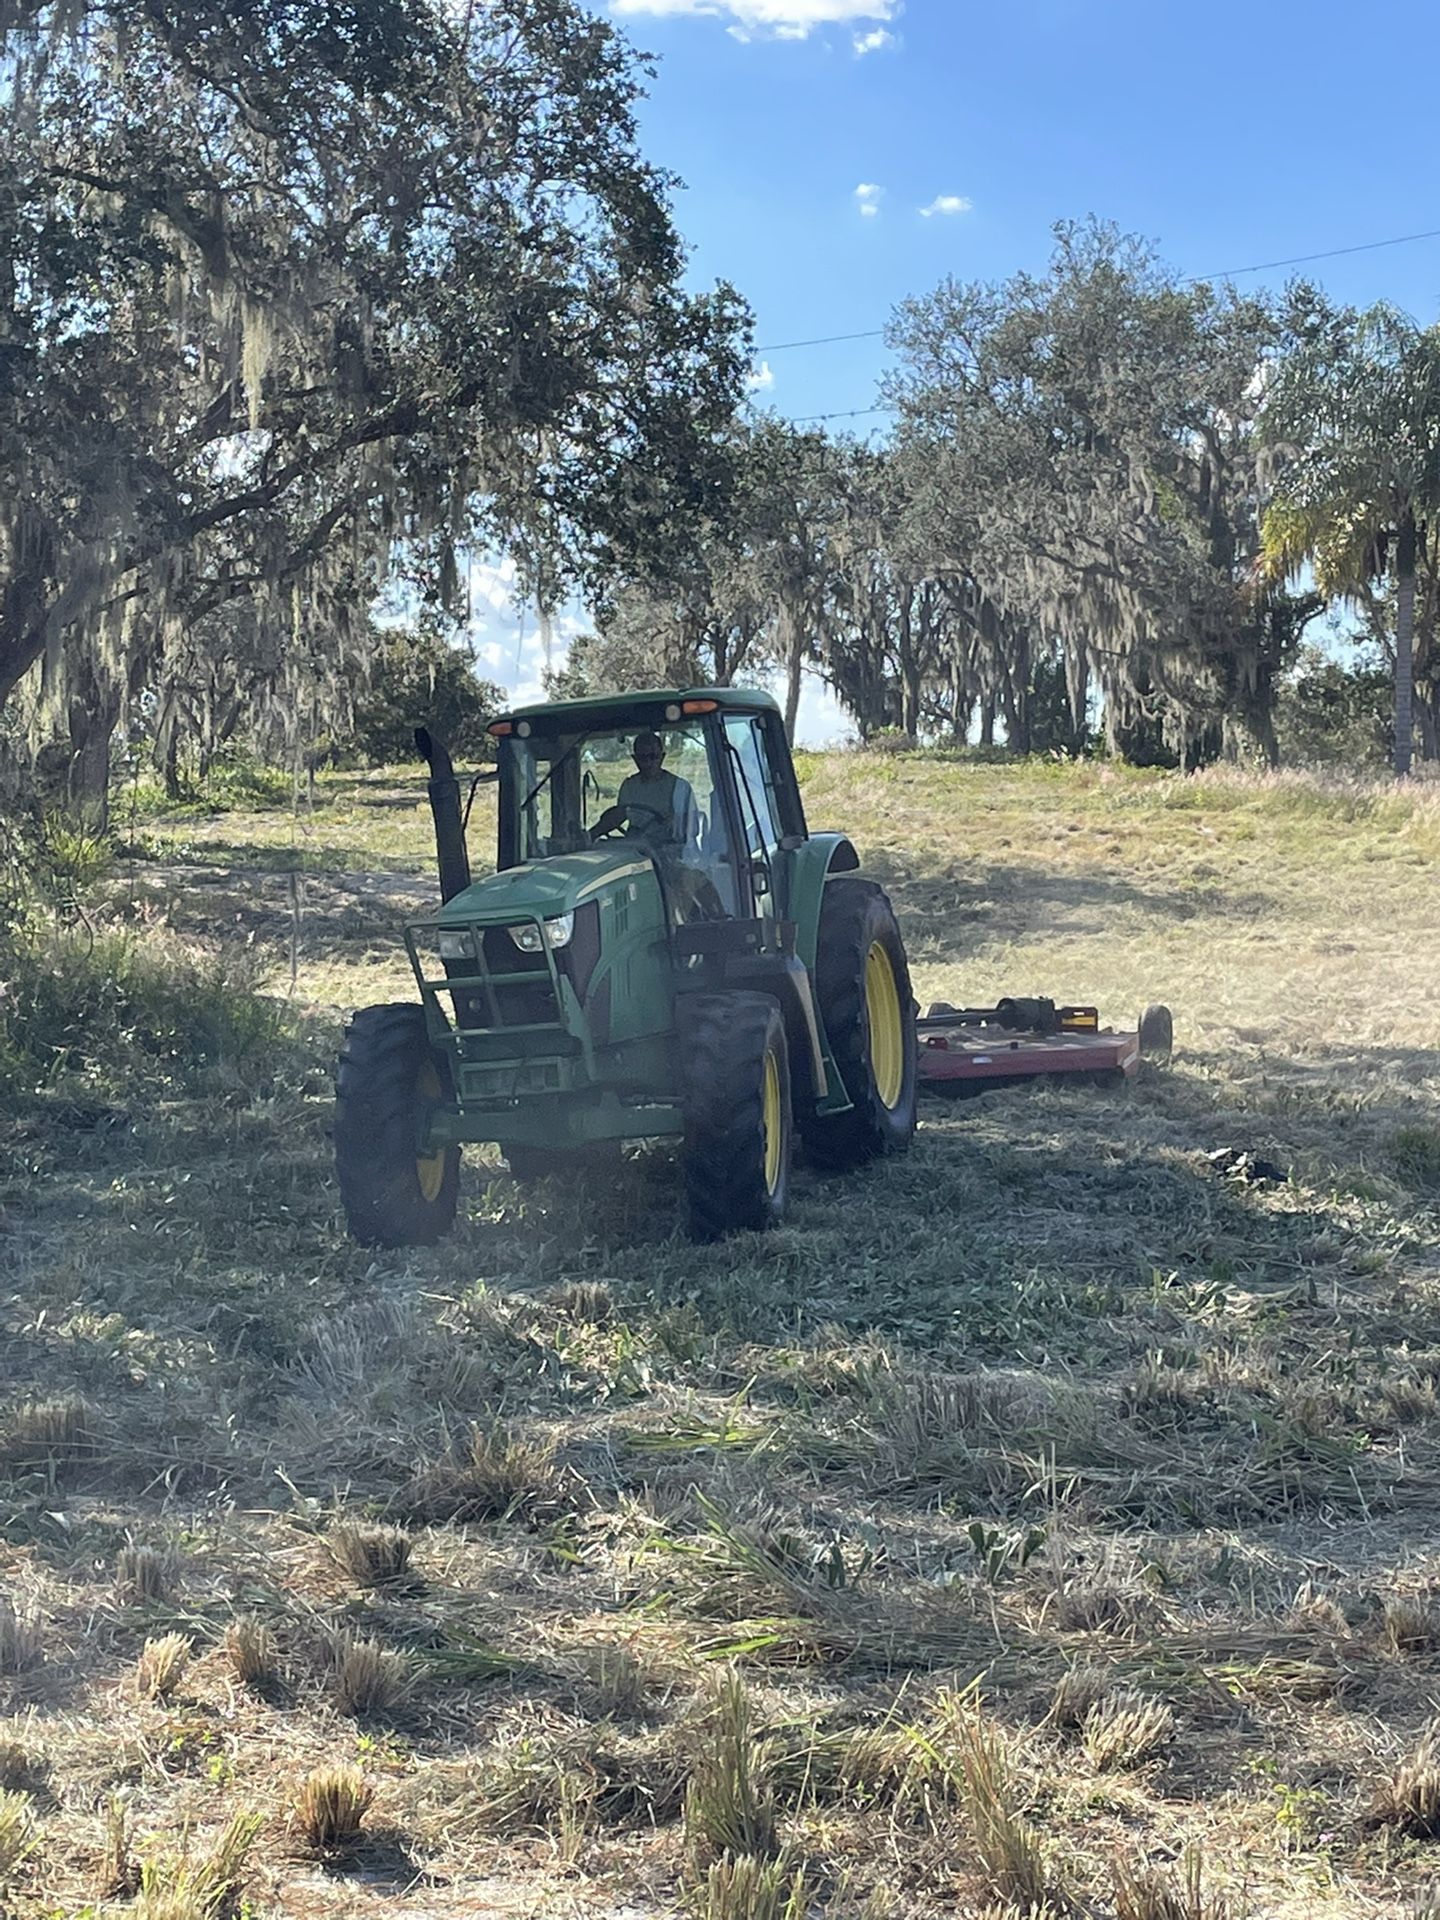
(1227, 134)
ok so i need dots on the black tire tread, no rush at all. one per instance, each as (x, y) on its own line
(726, 1036)
(382, 1052)
(852, 914)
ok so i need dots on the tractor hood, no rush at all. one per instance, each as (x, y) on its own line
(544, 887)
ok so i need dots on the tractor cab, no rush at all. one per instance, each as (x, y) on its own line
(664, 950)
(702, 784)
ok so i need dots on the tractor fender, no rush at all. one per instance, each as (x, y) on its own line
(809, 866)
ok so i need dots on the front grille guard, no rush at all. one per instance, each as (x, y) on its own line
(472, 986)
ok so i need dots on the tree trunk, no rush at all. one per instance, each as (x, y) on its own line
(92, 725)
(794, 667)
(1427, 714)
(1404, 643)
(987, 720)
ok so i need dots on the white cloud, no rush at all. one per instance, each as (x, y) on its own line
(947, 205)
(874, 42)
(779, 19)
(867, 199)
(490, 654)
(761, 379)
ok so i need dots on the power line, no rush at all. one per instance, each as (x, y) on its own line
(852, 413)
(1227, 273)
(1331, 253)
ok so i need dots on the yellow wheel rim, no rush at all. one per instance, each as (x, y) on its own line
(774, 1123)
(887, 1033)
(429, 1167)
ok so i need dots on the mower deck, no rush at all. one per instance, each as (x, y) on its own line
(964, 1049)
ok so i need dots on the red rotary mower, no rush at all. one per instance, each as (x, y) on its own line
(966, 1050)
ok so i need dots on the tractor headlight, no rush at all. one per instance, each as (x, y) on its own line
(557, 934)
(455, 943)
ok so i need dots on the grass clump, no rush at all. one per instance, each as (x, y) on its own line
(22, 1639)
(497, 1474)
(115, 1005)
(730, 1801)
(1124, 1728)
(18, 1836)
(1410, 1798)
(1415, 1151)
(162, 1665)
(372, 1556)
(366, 1680)
(1078, 1690)
(250, 1649)
(331, 1806)
(46, 1436)
(744, 1887)
(1144, 1894)
(1007, 1846)
(118, 1876)
(179, 1888)
(143, 1576)
(1411, 1624)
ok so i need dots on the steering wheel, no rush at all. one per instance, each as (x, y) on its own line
(627, 826)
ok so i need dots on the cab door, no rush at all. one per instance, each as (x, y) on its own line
(758, 818)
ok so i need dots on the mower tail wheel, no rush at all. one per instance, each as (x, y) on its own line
(862, 988)
(737, 1146)
(389, 1077)
(1157, 1033)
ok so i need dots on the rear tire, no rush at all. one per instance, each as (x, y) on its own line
(738, 1126)
(862, 990)
(388, 1076)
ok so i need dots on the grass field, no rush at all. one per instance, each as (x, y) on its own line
(1046, 1522)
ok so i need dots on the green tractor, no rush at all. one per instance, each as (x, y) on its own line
(664, 951)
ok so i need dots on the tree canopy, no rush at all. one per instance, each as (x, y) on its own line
(293, 293)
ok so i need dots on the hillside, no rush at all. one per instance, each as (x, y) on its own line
(1037, 1508)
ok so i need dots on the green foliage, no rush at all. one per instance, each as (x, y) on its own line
(115, 1006)
(1334, 712)
(419, 679)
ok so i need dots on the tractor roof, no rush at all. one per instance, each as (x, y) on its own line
(630, 709)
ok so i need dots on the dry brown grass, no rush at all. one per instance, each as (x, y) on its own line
(1124, 1729)
(330, 1808)
(22, 1639)
(1148, 1894)
(144, 1576)
(1410, 1798)
(495, 1474)
(46, 1435)
(250, 1649)
(730, 1803)
(366, 1680)
(372, 1556)
(1047, 1416)
(162, 1665)
(18, 1835)
(1412, 1624)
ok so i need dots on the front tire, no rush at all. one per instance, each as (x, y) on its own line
(394, 1195)
(862, 990)
(738, 1125)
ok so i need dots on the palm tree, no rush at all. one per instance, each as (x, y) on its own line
(1352, 419)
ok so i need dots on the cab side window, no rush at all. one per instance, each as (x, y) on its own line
(757, 802)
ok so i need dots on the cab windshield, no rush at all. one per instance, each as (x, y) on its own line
(650, 787)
